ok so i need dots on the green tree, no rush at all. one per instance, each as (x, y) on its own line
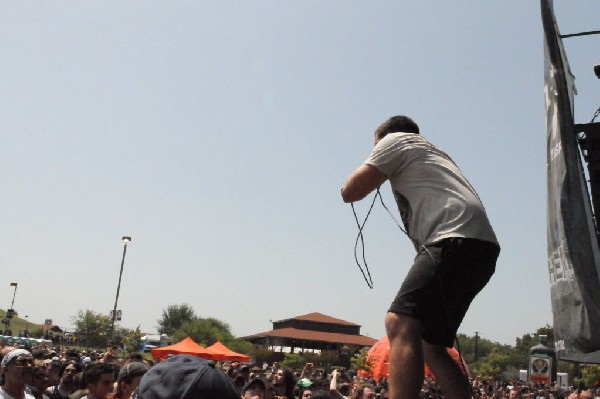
(492, 365)
(131, 340)
(239, 345)
(205, 331)
(360, 360)
(590, 373)
(294, 361)
(173, 317)
(37, 332)
(91, 328)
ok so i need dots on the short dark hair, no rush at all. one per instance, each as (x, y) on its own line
(93, 374)
(77, 366)
(398, 123)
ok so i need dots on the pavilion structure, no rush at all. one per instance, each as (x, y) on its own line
(310, 332)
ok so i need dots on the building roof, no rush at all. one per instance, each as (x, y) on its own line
(320, 318)
(309, 335)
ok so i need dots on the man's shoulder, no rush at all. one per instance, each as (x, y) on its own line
(6, 395)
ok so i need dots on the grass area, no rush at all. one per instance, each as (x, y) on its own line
(17, 324)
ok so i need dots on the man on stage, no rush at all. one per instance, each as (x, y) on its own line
(456, 254)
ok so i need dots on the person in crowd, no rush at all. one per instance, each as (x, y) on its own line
(320, 394)
(17, 370)
(99, 379)
(129, 379)
(244, 371)
(305, 393)
(239, 382)
(184, 377)
(270, 391)
(284, 382)
(254, 389)
(334, 390)
(364, 392)
(66, 384)
(39, 382)
(53, 368)
(307, 371)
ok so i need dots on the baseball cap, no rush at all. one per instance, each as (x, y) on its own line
(256, 382)
(186, 377)
(15, 353)
(304, 382)
(131, 370)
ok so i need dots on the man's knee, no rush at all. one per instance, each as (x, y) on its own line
(401, 325)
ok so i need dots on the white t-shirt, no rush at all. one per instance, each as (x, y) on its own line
(6, 395)
(435, 200)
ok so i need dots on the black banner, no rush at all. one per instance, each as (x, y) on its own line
(573, 255)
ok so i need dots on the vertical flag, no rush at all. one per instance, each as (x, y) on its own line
(573, 254)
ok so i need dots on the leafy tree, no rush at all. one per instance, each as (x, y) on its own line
(205, 331)
(360, 361)
(131, 340)
(261, 355)
(174, 317)
(239, 345)
(293, 361)
(474, 348)
(590, 375)
(91, 328)
(36, 332)
(492, 365)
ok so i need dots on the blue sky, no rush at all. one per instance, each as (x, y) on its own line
(218, 136)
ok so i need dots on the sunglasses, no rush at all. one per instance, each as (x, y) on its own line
(23, 362)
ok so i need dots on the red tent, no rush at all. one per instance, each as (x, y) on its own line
(379, 353)
(221, 352)
(187, 346)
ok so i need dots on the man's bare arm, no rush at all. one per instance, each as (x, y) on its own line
(360, 183)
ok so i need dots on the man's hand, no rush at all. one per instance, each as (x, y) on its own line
(360, 183)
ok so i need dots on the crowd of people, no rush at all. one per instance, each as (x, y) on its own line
(45, 373)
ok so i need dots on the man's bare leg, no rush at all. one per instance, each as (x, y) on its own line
(448, 374)
(406, 366)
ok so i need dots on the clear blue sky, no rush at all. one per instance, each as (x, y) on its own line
(218, 135)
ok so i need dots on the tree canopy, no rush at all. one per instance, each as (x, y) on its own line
(174, 316)
(92, 328)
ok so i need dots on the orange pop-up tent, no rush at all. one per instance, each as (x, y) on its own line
(379, 354)
(221, 352)
(187, 346)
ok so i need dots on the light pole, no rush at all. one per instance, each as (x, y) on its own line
(10, 312)
(27, 326)
(125, 240)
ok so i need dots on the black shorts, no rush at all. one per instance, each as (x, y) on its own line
(442, 283)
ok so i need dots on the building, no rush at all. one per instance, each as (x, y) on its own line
(310, 332)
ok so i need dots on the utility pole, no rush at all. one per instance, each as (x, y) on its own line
(476, 343)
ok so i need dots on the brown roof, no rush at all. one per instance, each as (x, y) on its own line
(310, 335)
(321, 318)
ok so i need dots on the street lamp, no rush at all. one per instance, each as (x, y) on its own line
(125, 240)
(10, 312)
(27, 326)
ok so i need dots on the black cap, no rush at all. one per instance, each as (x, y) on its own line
(131, 370)
(186, 377)
(256, 382)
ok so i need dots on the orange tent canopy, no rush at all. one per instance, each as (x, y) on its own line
(221, 352)
(379, 354)
(187, 346)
